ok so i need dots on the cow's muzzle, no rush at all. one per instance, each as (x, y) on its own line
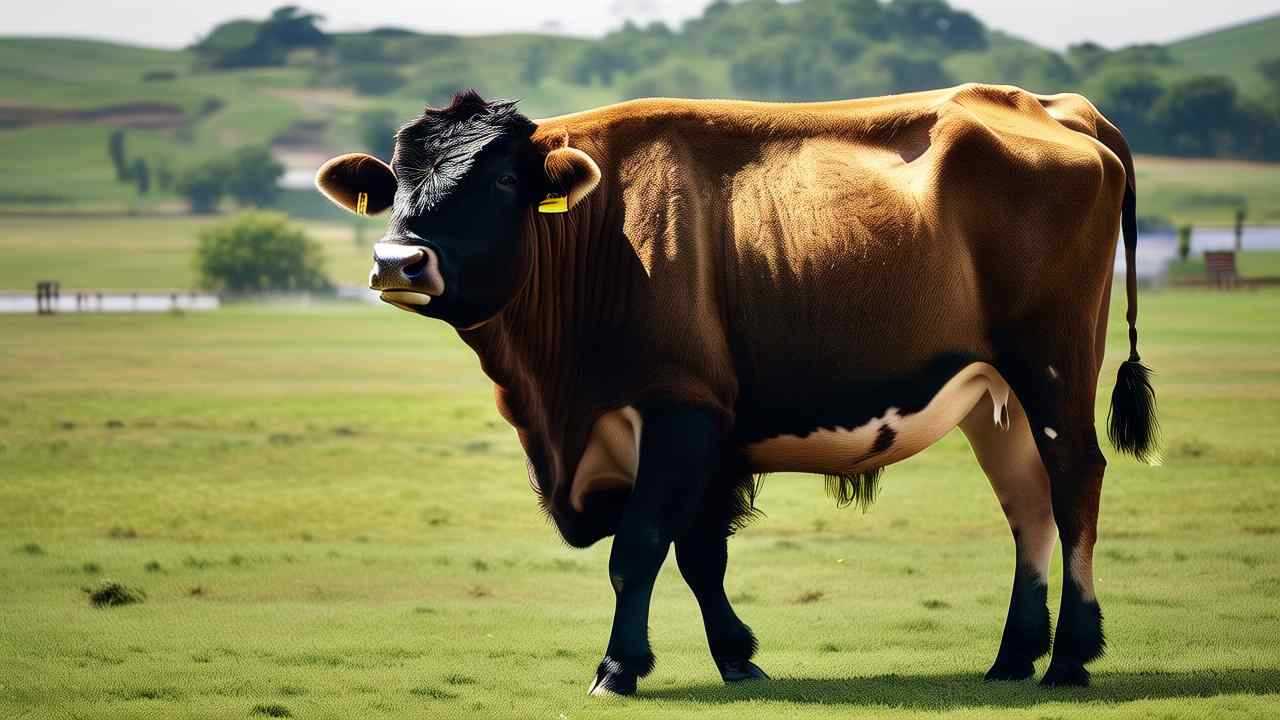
(408, 275)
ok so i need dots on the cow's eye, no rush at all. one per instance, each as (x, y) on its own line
(507, 180)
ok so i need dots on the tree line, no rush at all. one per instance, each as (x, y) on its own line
(771, 50)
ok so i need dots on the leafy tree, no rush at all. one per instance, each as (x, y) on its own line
(537, 61)
(203, 187)
(253, 177)
(244, 43)
(935, 20)
(116, 151)
(906, 73)
(1087, 56)
(259, 252)
(1270, 71)
(677, 79)
(1198, 115)
(785, 68)
(378, 133)
(1126, 98)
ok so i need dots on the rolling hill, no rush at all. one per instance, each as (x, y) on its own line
(60, 99)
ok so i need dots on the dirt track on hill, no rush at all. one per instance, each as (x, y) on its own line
(139, 115)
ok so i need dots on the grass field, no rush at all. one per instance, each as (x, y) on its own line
(1207, 192)
(330, 520)
(127, 253)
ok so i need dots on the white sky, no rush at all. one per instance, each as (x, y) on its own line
(173, 23)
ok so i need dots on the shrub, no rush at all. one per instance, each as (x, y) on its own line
(259, 252)
(253, 176)
(203, 187)
(112, 594)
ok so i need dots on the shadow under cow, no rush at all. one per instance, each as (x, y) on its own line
(964, 690)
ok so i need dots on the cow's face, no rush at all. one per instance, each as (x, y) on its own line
(462, 188)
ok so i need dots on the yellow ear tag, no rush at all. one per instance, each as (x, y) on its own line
(362, 203)
(554, 204)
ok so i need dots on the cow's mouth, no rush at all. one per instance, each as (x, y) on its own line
(410, 300)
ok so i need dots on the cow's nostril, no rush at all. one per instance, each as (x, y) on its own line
(416, 268)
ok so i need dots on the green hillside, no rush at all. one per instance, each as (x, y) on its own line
(61, 99)
(1234, 52)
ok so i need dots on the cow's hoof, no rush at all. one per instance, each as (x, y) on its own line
(612, 680)
(1065, 674)
(1005, 670)
(733, 671)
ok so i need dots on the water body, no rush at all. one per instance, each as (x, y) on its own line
(1157, 249)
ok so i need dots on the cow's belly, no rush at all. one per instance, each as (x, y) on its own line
(886, 439)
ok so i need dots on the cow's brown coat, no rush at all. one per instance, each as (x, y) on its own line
(788, 249)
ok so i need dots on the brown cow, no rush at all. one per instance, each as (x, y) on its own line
(672, 296)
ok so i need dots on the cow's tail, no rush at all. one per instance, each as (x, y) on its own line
(1131, 422)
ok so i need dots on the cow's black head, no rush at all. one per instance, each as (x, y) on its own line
(462, 188)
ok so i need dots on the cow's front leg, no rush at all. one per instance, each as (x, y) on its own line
(679, 451)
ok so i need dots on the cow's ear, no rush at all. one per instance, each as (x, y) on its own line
(572, 172)
(360, 183)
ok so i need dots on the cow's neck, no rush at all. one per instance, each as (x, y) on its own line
(545, 350)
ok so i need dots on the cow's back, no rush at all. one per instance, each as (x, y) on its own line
(818, 265)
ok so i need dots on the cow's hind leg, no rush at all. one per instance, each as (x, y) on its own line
(1057, 390)
(703, 556)
(1007, 452)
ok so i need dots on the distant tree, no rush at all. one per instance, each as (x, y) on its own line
(785, 68)
(677, 79)
(245, 43)
(601, 61)
(259, 252)
(378, 133)
(253, 177)
(291, 27)
(1126, 98)
(203, 187)
(1087, 56)
(1143, 54)
(1198, 115)
(917, 20)
(116, 151)
(1032, 68)
(1270, 71)
(141, 176)
(536, 63)
(907, 73)
(163, 174)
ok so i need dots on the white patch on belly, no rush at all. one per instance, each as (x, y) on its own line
(1051, 433)
(612, 456)
(849, 451)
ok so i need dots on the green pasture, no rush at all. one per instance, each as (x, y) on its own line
(330, 520)
(151, 253)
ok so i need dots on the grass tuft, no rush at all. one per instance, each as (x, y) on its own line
(432, 693)
(109, 593)
(274, 710)
(31, 549)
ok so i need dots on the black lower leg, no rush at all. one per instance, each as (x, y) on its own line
(1079, 638)
(678, 453)
(1026, 629)
(703, 558)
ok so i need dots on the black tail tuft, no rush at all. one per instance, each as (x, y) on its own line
(1131, 423)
